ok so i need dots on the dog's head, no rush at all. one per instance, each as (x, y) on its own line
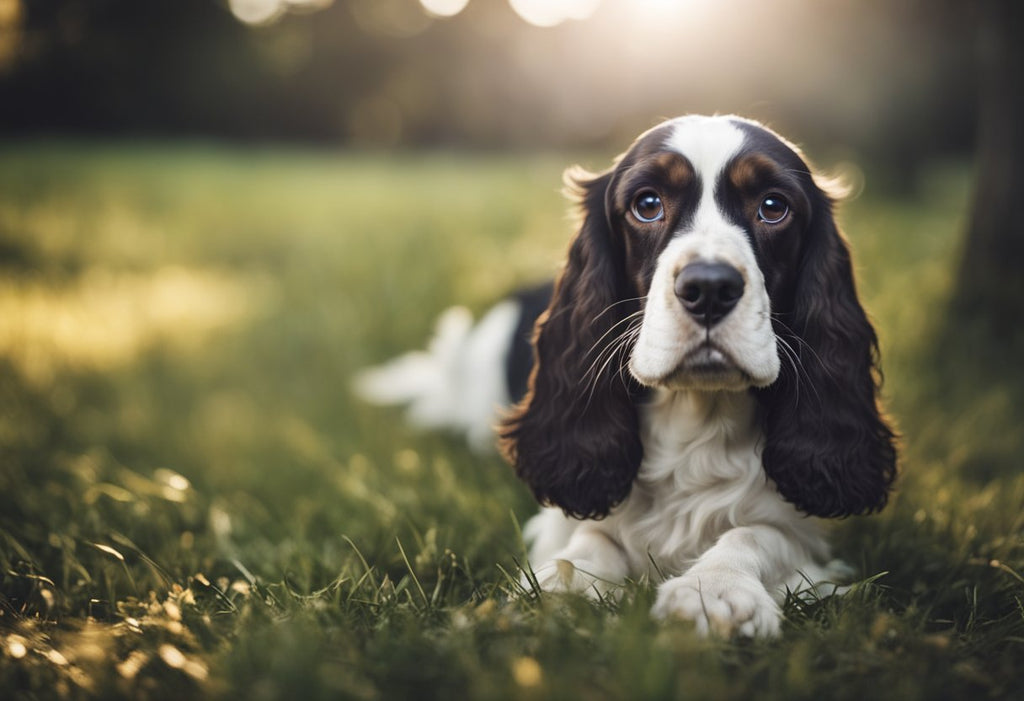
(708, 259)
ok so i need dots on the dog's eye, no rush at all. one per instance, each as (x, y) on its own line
(774, 208)
(647, 207)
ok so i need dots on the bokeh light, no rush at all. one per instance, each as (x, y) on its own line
(264, 12)
(11, 17)
(548, 13)
(256, 11)
(444, 8)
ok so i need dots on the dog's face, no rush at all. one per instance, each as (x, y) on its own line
(707, 260)
(711, 212)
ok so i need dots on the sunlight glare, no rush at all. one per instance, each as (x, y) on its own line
(256, 11)
(444, 8)
(548, 13)
(661, 5)
(108, 318)
(16, 647)
(661, 16)
(264, 12)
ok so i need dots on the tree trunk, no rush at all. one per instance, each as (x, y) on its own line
(991, 280)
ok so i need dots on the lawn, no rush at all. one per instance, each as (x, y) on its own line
(193, 503)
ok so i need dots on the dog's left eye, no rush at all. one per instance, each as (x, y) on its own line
(774, 208)
(647, 207)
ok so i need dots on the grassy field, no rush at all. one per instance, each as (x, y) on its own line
(192, 502)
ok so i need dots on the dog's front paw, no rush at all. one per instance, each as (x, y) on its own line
(573, 576)
(720, 601)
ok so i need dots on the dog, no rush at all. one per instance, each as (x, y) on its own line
(704, 381)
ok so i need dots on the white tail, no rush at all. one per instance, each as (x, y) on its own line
(458, 382)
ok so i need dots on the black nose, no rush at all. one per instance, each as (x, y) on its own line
(709, 291)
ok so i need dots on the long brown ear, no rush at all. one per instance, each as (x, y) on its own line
(574, 439)
(827, 448)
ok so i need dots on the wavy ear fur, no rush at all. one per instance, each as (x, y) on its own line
(574, 439)
(828, 448)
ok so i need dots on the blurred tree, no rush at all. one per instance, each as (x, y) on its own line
(992, 271)
(185, 67)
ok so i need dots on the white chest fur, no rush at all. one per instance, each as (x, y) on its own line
(701, 476)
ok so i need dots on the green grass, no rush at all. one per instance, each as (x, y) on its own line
(191, 502)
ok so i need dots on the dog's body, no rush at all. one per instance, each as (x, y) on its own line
(700, 505)
(704, 380)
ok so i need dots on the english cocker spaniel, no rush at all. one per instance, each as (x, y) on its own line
(703, 380)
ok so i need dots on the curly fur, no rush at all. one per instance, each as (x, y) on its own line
(575, 440)
(828, 449)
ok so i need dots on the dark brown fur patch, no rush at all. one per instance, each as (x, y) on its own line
(750, 170)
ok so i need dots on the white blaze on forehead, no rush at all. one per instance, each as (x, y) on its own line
(709, 143)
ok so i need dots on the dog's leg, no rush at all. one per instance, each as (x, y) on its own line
(727, 590)
(593, 563)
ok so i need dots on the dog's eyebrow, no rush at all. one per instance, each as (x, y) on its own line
(675, 168)
(752, 170)
(665, 168)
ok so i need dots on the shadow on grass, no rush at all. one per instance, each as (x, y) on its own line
(970, 406)
(950, 549)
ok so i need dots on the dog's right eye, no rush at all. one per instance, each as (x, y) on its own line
(647, 207)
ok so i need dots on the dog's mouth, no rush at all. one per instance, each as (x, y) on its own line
(708, 367)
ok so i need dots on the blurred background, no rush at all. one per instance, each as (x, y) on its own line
(894, 82)
(214, 212)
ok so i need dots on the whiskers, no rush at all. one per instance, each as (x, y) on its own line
(623, 335)
(611, 306)
(795, 359)
(796, 363)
